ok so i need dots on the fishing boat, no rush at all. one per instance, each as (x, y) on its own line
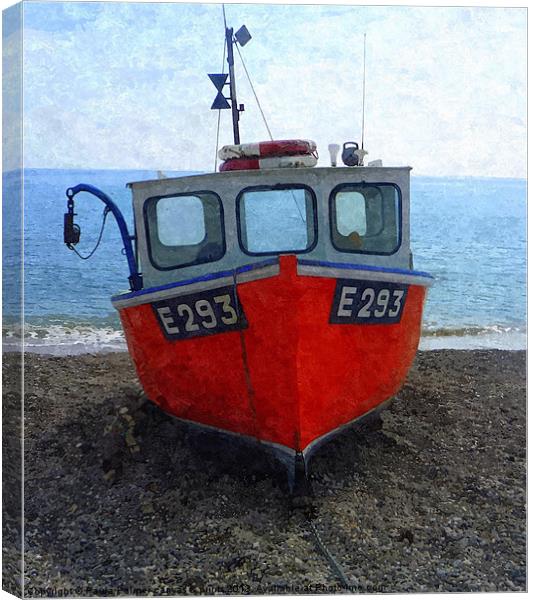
(274, 300)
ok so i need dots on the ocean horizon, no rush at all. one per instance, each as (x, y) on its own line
(468, 232)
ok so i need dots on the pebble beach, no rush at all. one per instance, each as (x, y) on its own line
(120, 499)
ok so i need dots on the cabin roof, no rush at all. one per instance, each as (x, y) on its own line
(265, 175)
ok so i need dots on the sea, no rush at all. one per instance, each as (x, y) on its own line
(469, 233)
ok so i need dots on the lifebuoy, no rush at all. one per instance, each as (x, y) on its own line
(271, 162)
(266, 149)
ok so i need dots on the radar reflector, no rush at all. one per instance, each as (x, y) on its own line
(243, 36)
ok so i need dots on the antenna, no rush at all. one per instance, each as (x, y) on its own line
(364, 81)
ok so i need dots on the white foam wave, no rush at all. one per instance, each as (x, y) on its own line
(64, 340)
(492, 338)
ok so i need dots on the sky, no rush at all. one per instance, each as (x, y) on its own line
(125, 86)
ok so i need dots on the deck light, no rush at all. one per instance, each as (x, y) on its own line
(333, 151)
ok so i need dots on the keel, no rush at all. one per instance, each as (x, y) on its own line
(300, 488)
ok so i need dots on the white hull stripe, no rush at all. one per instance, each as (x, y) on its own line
(338, 272)
(249, 438)
(280, 448)
(271, 269)
(152, 295)
(312, 446)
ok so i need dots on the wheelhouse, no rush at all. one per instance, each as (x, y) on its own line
(192, 226)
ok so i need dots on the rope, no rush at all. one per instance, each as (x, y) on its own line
(224, 15)
(336, 568)
(253, 90)
(71, 247)
(219, 110)
(216, 145)
(265, 121)
(364, 84)
(297, 207)
(323, 550)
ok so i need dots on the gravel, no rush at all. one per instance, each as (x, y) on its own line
(120, 499)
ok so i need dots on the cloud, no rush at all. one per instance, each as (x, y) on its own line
(124, 85)
(12, 90)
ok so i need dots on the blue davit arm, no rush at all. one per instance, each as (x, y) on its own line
(72, 232)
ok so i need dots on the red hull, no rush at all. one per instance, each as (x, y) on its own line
(291, 376)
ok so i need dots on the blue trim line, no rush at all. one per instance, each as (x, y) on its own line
(319, 263)
(208, 277)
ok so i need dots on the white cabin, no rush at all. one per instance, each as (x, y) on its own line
(196, 225)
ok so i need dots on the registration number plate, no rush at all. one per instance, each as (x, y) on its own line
(367, 302)
(204, 313)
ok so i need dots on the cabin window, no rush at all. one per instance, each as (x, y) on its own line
(366, 218)
(184, 229)
(277, 220)
(351, 213)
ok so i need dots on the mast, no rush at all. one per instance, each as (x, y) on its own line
(232, 89)
(241, 37)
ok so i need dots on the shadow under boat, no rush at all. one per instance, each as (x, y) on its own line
(248, 458)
